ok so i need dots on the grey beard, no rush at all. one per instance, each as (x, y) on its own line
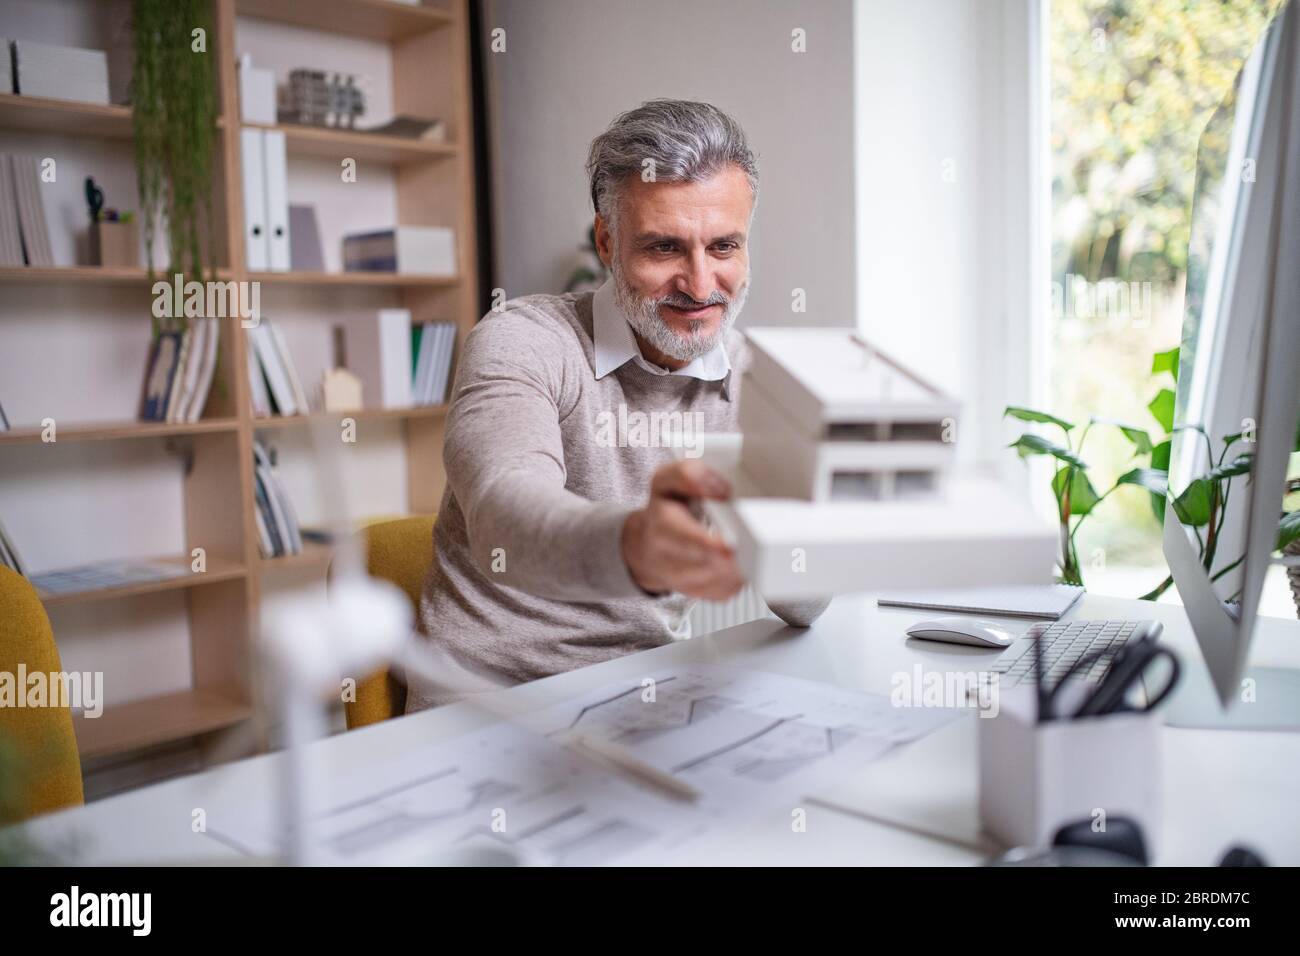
(643, 315)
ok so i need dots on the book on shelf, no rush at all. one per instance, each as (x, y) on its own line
(176, 386)
(434, 345)
(258, 394)
(377, 349)
(277, 389)
(159, 369)
(291, 370)
(60, 72)
(6, 65)
(409, 250)
(179, 371)
(11, 240)
(265, 544)
(306, 254)
(205, 368)
(28, 207)
(278, 530)
(9, 553)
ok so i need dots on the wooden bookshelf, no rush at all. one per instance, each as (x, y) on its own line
(313, 555)
(362, 146)
(388, 280)
(112, 431)
(82, 275)
(158, 720)
(104, 275)
(372, 19)
(217, 570)
(361, 414)
(434, 186)
(44, 115)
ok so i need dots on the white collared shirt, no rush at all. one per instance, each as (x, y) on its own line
(615, 344)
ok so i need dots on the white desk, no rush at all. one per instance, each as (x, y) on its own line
(916, 805)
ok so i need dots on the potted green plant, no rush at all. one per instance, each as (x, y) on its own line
(175, 127)
(1202, 505)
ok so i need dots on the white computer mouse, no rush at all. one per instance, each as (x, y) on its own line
(962, 630)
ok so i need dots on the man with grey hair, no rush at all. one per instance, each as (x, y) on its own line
(566, 535)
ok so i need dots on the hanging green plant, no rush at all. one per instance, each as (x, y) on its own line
(175, 120)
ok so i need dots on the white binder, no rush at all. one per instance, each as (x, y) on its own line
(277, 200)
(255, 242)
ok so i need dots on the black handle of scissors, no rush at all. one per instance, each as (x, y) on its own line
(1154, 702)
(1047, 700)
(1128, 665)
(1126, 671)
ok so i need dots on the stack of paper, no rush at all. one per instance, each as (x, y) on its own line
(1045, 602)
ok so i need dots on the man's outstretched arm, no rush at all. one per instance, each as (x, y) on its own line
(505, 465)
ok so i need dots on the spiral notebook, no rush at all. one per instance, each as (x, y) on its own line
(1041, 602)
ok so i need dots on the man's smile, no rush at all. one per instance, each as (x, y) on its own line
(695, 314)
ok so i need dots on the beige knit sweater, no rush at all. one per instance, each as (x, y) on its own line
(544, 463)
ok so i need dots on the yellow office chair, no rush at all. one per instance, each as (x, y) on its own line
(399, 551)
(40, 769)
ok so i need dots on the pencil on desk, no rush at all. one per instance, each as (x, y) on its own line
(413, 656)
(624, 760)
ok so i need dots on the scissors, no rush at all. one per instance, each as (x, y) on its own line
(1128, 665)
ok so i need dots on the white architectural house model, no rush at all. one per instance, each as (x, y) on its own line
(827, 417)
(844, 480)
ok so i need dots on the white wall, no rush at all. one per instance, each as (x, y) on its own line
(570, 66)
(897, 156)
(947, 230)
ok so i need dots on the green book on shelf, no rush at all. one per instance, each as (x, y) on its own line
(417, 331)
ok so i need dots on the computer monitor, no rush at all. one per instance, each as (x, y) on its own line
(1239, 373)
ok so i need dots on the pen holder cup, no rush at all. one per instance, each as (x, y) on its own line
(115, 244)
(1037, 777)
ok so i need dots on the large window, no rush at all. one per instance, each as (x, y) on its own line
(1132, 86)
